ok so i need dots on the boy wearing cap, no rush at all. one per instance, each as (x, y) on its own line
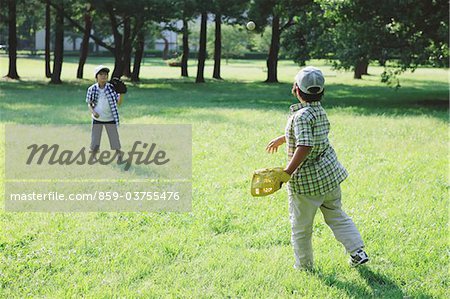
(315, 172)
(102, 102)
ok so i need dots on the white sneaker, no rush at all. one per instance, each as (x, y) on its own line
(360, 257)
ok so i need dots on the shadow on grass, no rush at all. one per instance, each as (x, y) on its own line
(378, 285)
(154, 96)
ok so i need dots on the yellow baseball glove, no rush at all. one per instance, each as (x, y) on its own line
(268, 180)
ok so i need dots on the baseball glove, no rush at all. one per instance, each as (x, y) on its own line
(118, 85)
(268, 180)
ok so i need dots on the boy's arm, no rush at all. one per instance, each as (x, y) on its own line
(92, 111)
(119, 101)
(275, 143)
(300, 154)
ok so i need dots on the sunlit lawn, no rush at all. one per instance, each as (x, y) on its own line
(394, 144)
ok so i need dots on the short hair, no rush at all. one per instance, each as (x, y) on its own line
(310, 97)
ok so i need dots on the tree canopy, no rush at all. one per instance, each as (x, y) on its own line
(352, 34)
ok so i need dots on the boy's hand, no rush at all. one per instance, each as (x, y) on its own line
(273, 145)
(95, 114)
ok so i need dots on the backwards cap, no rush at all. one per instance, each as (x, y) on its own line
(310, 80)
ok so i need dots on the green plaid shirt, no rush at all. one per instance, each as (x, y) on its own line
(321, 172)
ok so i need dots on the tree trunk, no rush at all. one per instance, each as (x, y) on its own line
(48, 71)
(272, 60)
(12, 40)
(165, 53)
(84, 50)
(138, 56)
(202, 50)
(217, 47)
(118, 49)
(127, 48)
(118, 62)
(185, 57)
(366, 69)
(59, 46)
(33, 33)
(360, 68)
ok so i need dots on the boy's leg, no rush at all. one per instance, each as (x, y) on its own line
(340, 223)
(96, 136)
(302, 209)
(113, 136)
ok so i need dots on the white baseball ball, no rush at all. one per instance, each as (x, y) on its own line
(251, 25)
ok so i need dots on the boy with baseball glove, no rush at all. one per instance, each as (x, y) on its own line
(102, 99)
(315, 173)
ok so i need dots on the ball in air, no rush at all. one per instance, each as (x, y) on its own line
(251, 25)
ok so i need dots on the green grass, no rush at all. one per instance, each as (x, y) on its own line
(393, 143)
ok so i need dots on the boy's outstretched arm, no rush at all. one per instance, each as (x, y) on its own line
(273, 145)
(300, 154)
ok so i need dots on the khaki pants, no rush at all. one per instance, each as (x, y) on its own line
(302, 209)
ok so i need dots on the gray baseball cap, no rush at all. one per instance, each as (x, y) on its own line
(310, 80)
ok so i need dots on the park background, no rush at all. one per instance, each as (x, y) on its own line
(386, 70)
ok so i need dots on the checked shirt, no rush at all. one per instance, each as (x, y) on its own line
(111, 95)
(321, 172)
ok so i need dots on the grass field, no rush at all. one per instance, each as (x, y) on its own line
(393, 143)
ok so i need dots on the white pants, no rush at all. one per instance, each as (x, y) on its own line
(303, 208)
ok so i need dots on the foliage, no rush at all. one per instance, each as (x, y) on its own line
(260, 41)
(262, 11)
(234, 41)
(232, 11)
(406, 33)
(399, 35)
(307, 37)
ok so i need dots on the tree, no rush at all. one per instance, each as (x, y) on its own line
(59, 44)
(234, 41)
(62, 8)
(308, 37)
(359, 32)
(406, 35)
(185, 55)
(48, 72)
(165, 52)
(84, 49)
(137, 13)
(119, 15)
(145, 22)
(127, 45)
(28, 22)
(231, 12)
(202, 48)
(149, 29)
(280, 15)
(185, 11)
(139, 53)
(12, 40)
(424, 28)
